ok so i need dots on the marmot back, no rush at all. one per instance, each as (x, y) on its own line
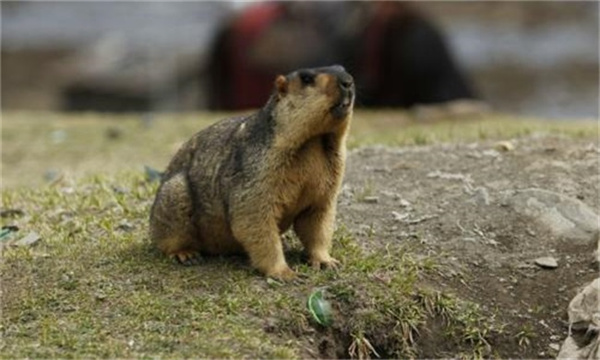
(238, 184)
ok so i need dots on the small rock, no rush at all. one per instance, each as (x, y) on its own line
(584, 308)
(120, 189)
(404, 203)
(391, 194)
(566, 217)
(346, 191)
(125, 226)
(491, 153)
(554, 346)
(371, 199)
(547, 262)
(29, 239)
(570, 350)
(449, 176)
(481, 196)
(399, 217)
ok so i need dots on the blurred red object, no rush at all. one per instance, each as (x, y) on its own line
(397, 56)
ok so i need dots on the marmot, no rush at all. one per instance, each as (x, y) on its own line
(237, 185)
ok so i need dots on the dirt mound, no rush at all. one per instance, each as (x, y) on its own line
(487, 212)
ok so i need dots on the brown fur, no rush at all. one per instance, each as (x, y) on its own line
(237, 185)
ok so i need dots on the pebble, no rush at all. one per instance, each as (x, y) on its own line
(491, 153)
(395, 196)
(29, 240)
(371, 199)
(547, 262)
(67, 190)
(568, 218)
(554, 346)
(481, 196)
(120, 189)
(125, 226)
(404, 203)
(398, 216)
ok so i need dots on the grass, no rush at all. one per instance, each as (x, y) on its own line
(40, 147)
(94, 287)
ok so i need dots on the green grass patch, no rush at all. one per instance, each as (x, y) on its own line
(394, 128)
(94, 287)
(43, 147)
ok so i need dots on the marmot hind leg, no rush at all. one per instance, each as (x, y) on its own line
(171, 227)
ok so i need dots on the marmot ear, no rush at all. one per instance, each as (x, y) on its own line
(281, 84)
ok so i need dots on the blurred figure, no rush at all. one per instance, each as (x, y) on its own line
(397, 56)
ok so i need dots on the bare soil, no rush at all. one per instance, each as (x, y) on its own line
(449, 202)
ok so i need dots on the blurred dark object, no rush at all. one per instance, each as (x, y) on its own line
(397, 56)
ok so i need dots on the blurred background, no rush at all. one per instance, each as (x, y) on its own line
(529, 58)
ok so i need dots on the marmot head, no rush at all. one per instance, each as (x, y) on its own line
(316, 93)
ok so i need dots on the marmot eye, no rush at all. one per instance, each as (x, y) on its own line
(307, 78)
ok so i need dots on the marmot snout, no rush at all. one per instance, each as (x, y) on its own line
(238, 184)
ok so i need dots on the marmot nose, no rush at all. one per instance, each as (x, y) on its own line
(346, 82)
